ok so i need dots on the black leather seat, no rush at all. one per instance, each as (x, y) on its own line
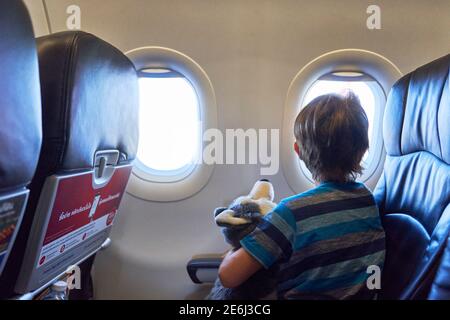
(414, 191)
(90, 128)
(20, 117)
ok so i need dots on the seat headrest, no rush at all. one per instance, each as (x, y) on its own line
(90, 101)
(20, 104)
(418, 112)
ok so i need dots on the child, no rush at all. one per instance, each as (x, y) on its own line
(326, 238)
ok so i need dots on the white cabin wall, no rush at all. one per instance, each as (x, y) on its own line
(39, 19)
(251, 51)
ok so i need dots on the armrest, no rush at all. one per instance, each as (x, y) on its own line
(204, 268)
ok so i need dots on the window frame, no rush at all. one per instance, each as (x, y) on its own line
(379, 68)
(146, 185)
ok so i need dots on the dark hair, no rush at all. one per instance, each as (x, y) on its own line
(332, 134)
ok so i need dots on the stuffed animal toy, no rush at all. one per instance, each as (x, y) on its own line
(237, 221)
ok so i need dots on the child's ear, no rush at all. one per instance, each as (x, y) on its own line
(297, 148)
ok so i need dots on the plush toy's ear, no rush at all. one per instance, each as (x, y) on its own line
(262, 189)
(219, 211)
(227, 219)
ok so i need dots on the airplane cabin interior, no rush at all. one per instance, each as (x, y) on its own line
(224, 150)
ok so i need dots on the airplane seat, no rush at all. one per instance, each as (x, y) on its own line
(414, 191)
(20, 118)
(90, 111)
(440, 289)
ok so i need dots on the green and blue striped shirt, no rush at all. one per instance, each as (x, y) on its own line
(324, 240)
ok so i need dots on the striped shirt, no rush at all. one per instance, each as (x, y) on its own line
(324, 241)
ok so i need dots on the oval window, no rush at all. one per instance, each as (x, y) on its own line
(169, 124)
(369, 75)
(177, 106)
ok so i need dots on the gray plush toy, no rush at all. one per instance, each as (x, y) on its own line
(237, 221)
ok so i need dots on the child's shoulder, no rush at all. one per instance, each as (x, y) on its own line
(327, 191)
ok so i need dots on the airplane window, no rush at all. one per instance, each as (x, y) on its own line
(169, 123)
(177, 106)
(370, 76)
(366, 89)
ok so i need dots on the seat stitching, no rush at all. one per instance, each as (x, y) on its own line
(437, 112)
(405, 99)
(66, 102)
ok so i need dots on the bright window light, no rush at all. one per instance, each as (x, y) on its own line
(169, 122)
(361, 89)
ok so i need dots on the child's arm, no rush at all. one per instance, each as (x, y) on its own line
(279, 226)
(237, 267)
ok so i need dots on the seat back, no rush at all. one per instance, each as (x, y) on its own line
(90, 134)
(20, 118)
(414, 191)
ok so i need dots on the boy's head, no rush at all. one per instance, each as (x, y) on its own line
(332, 137)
